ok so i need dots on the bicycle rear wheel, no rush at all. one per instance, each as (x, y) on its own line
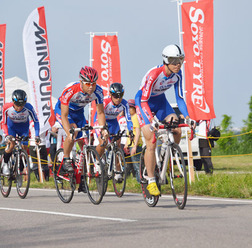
(6, 182)
(63, 182)
(150, 200)
(119, 184)
(178, 176)
(94, 175)
(23, 175)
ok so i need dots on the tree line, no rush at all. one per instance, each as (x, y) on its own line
(233, 143)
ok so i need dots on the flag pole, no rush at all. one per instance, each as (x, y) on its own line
(188, 142)
(91, 35)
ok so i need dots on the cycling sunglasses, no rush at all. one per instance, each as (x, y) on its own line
(117, 95)
(176, 60)
(89, 83)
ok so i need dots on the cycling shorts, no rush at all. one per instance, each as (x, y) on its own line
(113, 127)
(20, 129)
(158, 105)
(76, 117)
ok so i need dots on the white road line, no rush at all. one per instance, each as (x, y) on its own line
(67, 214)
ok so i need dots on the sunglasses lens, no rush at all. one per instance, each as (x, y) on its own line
(117, 95)
(89, 84)
(176, 60)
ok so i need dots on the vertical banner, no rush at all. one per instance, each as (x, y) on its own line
(197, 25)
(106, 60)
(2, 62)
(38, 68)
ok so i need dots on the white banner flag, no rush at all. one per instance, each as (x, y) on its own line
(37, 59)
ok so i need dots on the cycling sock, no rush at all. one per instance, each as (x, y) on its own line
(151, 180)
(6, 157)
(66, 158)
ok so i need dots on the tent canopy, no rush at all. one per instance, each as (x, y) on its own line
(14, 83)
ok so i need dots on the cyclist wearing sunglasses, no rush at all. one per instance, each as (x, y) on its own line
(16, 122)
(69, 109)
(151, 99)
(113, 106)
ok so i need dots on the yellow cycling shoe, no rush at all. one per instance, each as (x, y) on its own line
(153, 189)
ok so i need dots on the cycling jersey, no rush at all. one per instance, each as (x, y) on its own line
(14, 122)
(76, 99)
(112, 111)
(151, 98)
(73, 96)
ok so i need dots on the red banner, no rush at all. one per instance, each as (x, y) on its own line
(106, 60)
(38, 67)
(197, 23)
(2, 62)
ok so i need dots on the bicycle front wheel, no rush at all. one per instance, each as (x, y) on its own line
(149, 199)
(119, 173)
(23, 175)
(94, 175)
(63, 182)
(178, 176)
(6, 182)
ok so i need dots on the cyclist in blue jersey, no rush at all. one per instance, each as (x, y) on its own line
(151, 99)
(16, 122)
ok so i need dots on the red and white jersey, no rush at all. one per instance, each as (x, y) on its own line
(155, 82)
(73, 96)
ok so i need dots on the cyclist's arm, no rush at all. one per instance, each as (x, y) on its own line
(127, 115)
(64, 118)
(179, 98)
(5, 116)
(100, 114)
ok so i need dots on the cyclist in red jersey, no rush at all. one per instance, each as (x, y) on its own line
(151, 99)
(70, 110)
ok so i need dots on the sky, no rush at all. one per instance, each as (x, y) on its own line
(144, 28)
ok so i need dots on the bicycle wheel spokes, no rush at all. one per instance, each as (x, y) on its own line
(23, 175)
(119, 173)
(178, 176)
(150, 200)
(63, 183)
(5, 185)
(94, 176)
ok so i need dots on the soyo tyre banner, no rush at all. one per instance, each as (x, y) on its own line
(2, 62)
(106, 60)
(197, 25)
(38, 68)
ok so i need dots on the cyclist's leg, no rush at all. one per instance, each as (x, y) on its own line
(166, 113)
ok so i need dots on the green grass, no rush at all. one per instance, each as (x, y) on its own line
(232, 178)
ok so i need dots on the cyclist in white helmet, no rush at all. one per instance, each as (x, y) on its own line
(151, 99)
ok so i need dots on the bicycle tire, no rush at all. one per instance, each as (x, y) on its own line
(178, 176)
(106, 167)
(23, 175)
(63, 183)
(119, 185)
(6, 182)
(94, 175)
(150, 200)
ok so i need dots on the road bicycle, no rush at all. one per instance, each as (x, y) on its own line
(88, 169)
(115, 164)
(169, 164)
(19, 165)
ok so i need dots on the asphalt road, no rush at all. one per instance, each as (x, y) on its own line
(42, 220)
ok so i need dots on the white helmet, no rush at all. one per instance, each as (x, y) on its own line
(172, 51)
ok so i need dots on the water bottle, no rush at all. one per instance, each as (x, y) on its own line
(77, 158)
(162, 151)
(109, 161)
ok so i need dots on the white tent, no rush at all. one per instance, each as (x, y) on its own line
(14, 83)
